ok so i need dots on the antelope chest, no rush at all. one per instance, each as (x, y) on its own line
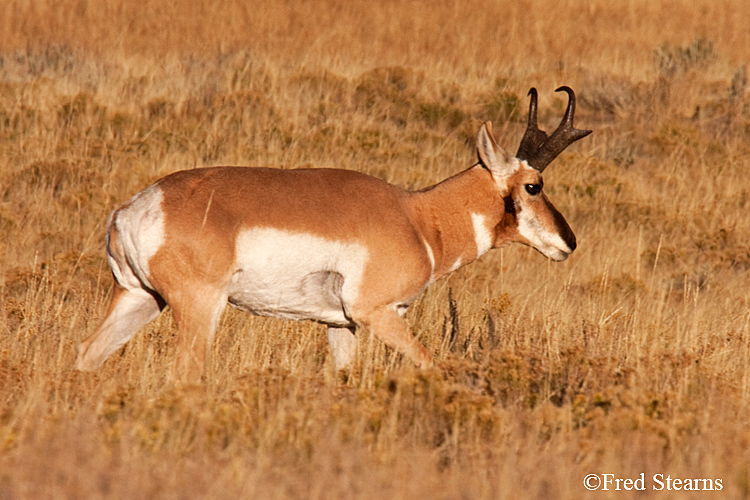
(296, 275)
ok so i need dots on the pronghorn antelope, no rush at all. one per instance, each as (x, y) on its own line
(335, 246)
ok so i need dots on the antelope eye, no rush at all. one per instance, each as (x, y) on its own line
(533, 189)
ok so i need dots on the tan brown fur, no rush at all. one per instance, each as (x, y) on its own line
(444, 215)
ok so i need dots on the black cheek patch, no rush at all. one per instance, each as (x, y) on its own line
(510, 205)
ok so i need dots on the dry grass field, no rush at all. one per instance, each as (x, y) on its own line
(633, 356)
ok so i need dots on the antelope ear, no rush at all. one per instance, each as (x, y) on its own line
(492, 156)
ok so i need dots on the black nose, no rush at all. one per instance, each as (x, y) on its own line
(563, 229)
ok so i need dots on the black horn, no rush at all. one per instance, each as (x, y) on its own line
(533, 137)
(536, 147)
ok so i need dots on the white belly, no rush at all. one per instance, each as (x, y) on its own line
(296, 276)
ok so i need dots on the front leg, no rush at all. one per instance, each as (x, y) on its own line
(386, 324)
(343, 346)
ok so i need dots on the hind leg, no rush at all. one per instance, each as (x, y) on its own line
(128, 312)
(197, 315)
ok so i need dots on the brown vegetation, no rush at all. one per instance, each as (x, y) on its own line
(632, 356)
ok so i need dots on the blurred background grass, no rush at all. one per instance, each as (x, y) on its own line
(631, 356)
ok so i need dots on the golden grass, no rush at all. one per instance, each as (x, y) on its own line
(632, 356)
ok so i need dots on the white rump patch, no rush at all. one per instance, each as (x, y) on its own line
(296, 275)
(482, 234)
(140, 228)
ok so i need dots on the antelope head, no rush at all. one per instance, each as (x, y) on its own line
(530, 217)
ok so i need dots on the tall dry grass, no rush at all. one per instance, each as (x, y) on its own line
(632, 356)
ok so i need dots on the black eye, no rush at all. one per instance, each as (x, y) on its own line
(533, 189)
